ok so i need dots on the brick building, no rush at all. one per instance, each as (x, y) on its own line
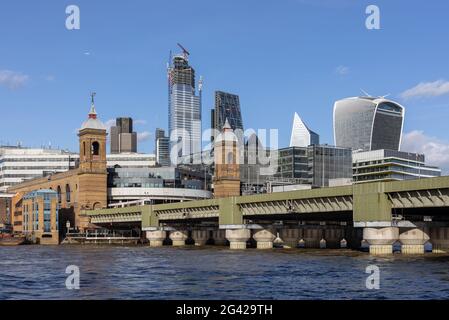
(83, 188)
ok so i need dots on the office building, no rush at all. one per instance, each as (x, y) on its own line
(184, 108)
(128, 186)
(301, 135)
(123, 139)
(368, 123)
(227, 106)
(40, 221)
(390, 165)
(162, 148)
(313, 165)
(126, 160)
(18, 164)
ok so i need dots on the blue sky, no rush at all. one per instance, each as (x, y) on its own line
(281, 57)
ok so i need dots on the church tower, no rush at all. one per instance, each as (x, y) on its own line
(92, 172)
(227, 164)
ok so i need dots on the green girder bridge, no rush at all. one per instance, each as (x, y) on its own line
(366, 204)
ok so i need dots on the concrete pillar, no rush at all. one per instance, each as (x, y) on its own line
(264, 238)
(290, 237)
(381, 240)
(178, 237)
(343, 243)
(237, 238)
(413, 241)
(200, 237)
(439, 237)
(312, 237)
(156, 237)
(219, 237)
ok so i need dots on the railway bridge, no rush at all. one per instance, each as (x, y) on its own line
(382, 214)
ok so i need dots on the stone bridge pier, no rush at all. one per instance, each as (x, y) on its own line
(413, 240)
(238, 237)
(381, 240)
(156, 237)
(178, 237)
(264, 238)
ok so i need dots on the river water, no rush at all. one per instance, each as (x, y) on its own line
(109, 272)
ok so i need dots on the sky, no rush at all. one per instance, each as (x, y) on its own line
(280, 57)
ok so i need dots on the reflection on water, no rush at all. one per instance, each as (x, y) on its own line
(37, 272)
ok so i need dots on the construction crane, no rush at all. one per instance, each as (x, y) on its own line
(185, 53)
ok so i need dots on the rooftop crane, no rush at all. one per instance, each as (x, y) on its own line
(185, 53)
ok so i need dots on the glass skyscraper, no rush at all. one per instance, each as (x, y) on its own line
(184, 123)
(227, 106)
(302, 136)
(368, 123)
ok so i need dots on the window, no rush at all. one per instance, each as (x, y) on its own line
(95, 148)
(67, 193)
(59, 194)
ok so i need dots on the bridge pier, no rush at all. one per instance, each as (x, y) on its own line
(264, 238)
(200, 237)
(156, 237)
(219, 237)
(381, 240)
(290, 237)
(439, 237)
(237, 238)
(413, 241)
(178, 237)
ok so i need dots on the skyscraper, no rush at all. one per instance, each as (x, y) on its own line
(123, 139)
(227, 106)
(368, 123)
(184, 107)
(302, 136)
(162, 145)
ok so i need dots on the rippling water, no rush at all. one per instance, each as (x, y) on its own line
(38, 272)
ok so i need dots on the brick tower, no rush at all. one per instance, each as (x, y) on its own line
(227, 164)
(92, 173)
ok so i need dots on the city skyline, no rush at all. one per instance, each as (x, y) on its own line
(58, 86)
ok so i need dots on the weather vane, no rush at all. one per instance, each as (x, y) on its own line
(92, 95)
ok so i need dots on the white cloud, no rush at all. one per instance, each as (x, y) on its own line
(435, 150)
(143, 136)
(342, 70)
(12, 79)
(427, 89)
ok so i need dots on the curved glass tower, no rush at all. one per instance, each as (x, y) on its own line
(368, 123)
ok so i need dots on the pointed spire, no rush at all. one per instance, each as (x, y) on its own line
(93, 112)
(227, 126)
